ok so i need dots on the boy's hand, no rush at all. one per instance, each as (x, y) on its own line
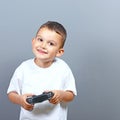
(58, 97)
(61, 96)
(24, 103)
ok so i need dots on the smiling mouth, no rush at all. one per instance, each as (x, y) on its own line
(42, 51)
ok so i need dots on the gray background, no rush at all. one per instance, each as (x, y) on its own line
(92, 51)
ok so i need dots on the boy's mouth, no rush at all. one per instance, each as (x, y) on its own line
(42, 51)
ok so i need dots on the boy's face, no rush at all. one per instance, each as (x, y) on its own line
(47, 45)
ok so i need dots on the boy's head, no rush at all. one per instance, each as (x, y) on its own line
(48, 43)
(57, 27)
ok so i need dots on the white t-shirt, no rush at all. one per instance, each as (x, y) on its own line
(29, 78)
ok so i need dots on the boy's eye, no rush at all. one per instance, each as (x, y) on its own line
(51, 44)
(40, 39)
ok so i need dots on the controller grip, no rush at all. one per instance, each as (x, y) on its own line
(40, 98)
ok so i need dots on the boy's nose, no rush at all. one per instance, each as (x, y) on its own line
(43, 45)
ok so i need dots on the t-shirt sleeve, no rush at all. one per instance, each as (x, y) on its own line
(15, 83)
(70, 82)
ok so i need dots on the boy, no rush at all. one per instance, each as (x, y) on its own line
(45, 72)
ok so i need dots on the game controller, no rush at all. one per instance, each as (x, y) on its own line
(40, 98)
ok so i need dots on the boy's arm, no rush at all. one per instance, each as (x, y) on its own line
(67, 96)
(62, 96)
(15, 98)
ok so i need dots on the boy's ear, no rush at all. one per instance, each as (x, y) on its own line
(60, 52)
(33, 39)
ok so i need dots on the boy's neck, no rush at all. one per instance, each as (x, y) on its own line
(42, 64)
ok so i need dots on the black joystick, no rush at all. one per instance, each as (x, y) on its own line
(40, 98)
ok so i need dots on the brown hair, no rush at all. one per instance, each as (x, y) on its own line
(57, 27)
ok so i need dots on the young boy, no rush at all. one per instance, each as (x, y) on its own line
(46, 72)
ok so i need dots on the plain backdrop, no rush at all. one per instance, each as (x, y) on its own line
(92, 51)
